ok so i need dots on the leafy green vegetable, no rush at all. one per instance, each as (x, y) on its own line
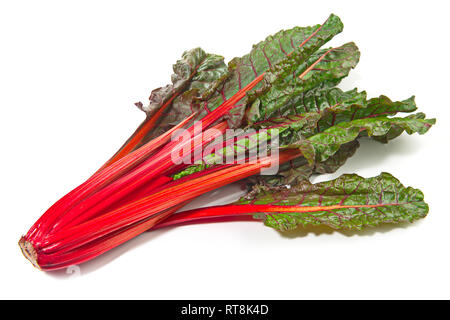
(376, 107)
(324, 144)
(397, 130)
(349, 202)
(288, 82)
(296, 44)
(299, 169)
(289, 102)
(282, 98)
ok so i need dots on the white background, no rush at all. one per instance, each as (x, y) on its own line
(69, 75)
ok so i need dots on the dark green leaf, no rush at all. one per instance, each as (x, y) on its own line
(298, 169)
(376, 107)
(349, 202)
(295, 90)
(290, 102)
(395, 131)
(299, 42)
(325, 144)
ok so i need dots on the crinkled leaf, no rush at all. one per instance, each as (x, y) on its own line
(323, 145)
(300, 42)
(395, 131)
(350, 202)
(196, 70)
(289, 102)
(334, 110)
(325, 67)
(338, 159)
(292, 88)
(299, 169)
(376, 107)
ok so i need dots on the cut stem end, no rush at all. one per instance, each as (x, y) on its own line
(29, 252)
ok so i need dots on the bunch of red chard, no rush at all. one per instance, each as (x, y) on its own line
(284, 90)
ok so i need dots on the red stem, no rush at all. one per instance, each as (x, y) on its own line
(170, 196)
(111, 194)
(123, 186)
(140, 134)
(208, 214)
(239, 212)
(98, 180)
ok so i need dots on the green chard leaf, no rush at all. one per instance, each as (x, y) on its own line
(336, 106)
(299, 169)
(321, 146)
(291, 87)
(300, 42)
(396, 131)
(376, 107)
(348, 202)
(289, 102)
